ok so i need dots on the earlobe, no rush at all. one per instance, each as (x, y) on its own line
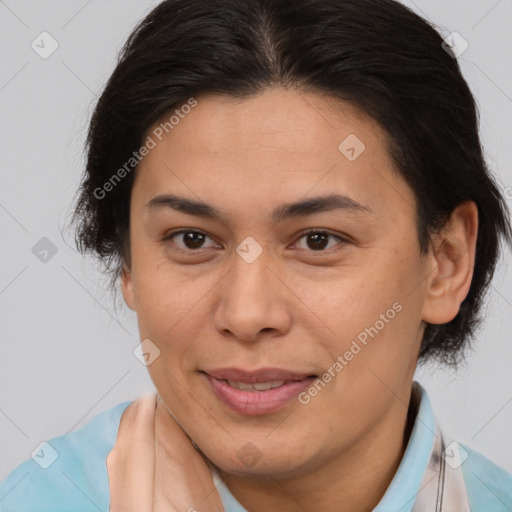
(127, 286)
(453, 257)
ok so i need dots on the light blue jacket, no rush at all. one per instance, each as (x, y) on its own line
(76, 480)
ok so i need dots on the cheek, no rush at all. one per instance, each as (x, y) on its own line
(172, 312)
(348, 299)
(368, 310)
(163, 293)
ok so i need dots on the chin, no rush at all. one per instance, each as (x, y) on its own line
(250, 461)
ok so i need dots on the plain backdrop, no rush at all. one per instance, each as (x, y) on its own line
(65, 354)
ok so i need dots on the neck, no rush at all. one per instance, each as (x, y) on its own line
(357, 479)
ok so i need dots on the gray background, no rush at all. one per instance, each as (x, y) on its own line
(66, 355)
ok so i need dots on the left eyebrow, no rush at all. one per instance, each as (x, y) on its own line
(285, 211)
(317, 205)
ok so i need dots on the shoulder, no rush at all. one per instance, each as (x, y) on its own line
(67, 473)
(488, 486)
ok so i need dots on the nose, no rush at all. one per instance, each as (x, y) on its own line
(253, 301)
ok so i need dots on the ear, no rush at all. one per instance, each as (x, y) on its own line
(127, 286)
(452, 258)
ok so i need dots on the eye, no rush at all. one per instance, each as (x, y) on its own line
(317, 240)
(192, 240)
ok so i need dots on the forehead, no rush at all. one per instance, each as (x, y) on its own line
(277, 120)
(280, 143)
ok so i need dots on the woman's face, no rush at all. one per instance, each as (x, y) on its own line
(251, 291)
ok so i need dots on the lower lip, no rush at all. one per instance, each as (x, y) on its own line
(258, 402)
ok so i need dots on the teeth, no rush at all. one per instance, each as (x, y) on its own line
(257, 386)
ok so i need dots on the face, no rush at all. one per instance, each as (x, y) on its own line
(328, 296)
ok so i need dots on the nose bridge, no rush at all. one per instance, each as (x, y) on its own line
(249, 281)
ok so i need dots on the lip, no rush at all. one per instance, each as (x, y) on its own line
(254, 376)
(252, 403)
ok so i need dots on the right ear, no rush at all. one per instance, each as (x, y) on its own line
(127, 287)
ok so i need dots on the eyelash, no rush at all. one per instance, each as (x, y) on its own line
(303, 234)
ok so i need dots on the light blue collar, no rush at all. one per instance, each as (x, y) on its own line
(403, 489)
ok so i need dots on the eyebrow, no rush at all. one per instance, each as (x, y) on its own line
(285, 211)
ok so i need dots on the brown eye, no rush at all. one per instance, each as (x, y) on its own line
(190, 239)
(319, 240)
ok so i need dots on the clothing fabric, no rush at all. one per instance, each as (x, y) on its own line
(69, 473)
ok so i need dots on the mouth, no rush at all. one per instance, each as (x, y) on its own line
(257, 392)
(257, 386)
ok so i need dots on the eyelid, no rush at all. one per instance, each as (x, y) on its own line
(168, 236)
(343, 239)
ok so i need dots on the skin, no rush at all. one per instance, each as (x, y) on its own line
(294, 307)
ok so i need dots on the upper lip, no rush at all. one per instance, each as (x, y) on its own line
(254, 376)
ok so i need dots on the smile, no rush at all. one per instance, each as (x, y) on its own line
(259, 386)
(257, 392)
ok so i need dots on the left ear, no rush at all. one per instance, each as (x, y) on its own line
(452, 258)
